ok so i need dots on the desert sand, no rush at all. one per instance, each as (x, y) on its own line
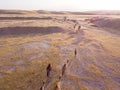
(30, 40)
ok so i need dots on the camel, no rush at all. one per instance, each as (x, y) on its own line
(43, 86)
(75, 25)
(48, 69)
(64, 69)
(67, 61)
(58, 85)
(75, 52)
(79, 27)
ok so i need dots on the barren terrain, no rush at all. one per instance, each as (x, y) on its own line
(30, 40)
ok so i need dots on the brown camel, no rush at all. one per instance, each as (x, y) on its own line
(79, 27)
(58, 85)
(67, 61)
(43, 86)
(64, 69)
(48, 69)
(75, 52)
(75, 26)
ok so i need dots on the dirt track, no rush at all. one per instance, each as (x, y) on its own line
(79, 73)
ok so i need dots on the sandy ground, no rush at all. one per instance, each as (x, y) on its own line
(29, 40)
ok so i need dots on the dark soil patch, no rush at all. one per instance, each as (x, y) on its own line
(25, 18)
(17, 31)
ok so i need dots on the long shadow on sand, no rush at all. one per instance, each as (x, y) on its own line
(9, 12)
(17, 31)
(25, 18)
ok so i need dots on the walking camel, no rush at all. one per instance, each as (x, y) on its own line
(58, 85)
(48, 69)
(43, 86)
(64, 69)
(75, 52)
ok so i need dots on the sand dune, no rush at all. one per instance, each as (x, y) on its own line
(109, 24)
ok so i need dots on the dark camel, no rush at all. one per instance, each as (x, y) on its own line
(75, 52)
(79, 27)
(64, 69)
(48, 69)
